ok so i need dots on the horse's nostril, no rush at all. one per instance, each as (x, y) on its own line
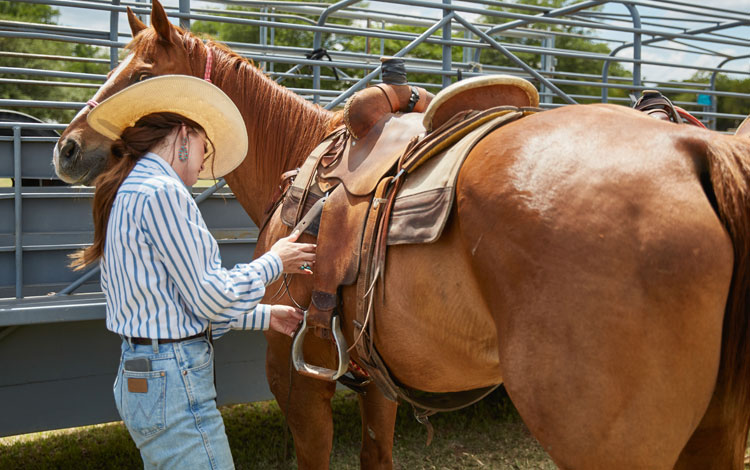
(70, 150)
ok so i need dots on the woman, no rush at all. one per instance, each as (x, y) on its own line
(166, 291)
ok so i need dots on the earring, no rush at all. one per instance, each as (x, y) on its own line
(182, 153)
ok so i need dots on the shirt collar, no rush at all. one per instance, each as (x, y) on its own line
(162, 165)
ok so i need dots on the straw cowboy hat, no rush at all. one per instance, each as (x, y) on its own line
(187, 96)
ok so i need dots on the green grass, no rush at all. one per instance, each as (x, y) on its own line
(488, 435)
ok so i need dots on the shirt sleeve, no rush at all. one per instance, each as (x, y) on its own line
(258, 319)
(173, 224)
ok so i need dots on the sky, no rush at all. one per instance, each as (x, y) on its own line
(99, 20)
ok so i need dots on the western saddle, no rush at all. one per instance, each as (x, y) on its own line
(346, 193)
(658, 106)
(359, 191)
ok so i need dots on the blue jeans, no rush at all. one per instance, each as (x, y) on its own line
(171, 411)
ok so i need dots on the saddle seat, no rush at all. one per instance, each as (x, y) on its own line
(479, 93)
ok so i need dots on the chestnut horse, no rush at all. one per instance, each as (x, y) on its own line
(595, 262)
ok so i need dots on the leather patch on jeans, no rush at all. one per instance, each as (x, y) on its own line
(136, 385)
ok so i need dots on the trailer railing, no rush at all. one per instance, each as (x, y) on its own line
(586, 52)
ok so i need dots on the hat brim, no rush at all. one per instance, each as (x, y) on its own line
(187, 96)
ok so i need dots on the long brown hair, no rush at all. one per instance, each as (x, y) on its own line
(125, 152)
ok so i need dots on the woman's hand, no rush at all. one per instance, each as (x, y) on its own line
(296, 258)
(285, 319)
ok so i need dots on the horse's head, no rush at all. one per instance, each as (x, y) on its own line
(81, 153)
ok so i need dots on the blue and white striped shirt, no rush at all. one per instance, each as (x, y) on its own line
(161, 270)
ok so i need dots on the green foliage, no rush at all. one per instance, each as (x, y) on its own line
(728, 105)
(282, 37)
(425, 50)
(569, 38)
(37, 13)
(28, 12)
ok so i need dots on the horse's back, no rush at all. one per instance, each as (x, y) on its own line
(606, 271)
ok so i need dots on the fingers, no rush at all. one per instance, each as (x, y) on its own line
(293, 236)
(287, 311)
(295, 314)
(306, 247)
(285, 319)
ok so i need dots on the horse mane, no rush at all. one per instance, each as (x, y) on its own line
(269, 109)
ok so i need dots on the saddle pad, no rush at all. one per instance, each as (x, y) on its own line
(424, 203)
(365, 161)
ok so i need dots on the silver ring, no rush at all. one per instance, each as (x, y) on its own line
(304, 267)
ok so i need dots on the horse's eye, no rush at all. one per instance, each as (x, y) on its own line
(143, 76)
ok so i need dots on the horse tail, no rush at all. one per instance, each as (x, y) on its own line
(728, 161)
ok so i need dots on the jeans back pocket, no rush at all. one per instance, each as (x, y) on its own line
(143, 396)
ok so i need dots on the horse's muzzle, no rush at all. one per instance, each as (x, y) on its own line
(69, 153)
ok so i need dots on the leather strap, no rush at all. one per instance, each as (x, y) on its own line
(421, 105)
(324, 304)
(413, 99)
(363, 324)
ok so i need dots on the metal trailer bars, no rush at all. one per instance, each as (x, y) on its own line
(632, 45)
(658, 31)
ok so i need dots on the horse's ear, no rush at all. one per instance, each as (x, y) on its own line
(136, 25)
(160, 22)
(744, 128)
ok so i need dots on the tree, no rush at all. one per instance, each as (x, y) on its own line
(727, 105)
(250, 34)
(43, 14)
(569, 38)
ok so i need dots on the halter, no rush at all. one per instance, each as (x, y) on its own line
(206, 76)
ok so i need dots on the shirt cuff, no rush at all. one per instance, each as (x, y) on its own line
(258, 319)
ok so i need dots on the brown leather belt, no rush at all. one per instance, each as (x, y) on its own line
(166, 340)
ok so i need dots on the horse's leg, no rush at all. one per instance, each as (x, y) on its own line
(308, 412)
(377, 412)
(378, 422)
(308, 407)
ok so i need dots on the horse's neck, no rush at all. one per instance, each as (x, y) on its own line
(282, 129)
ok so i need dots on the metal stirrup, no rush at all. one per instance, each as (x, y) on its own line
(317, 371)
